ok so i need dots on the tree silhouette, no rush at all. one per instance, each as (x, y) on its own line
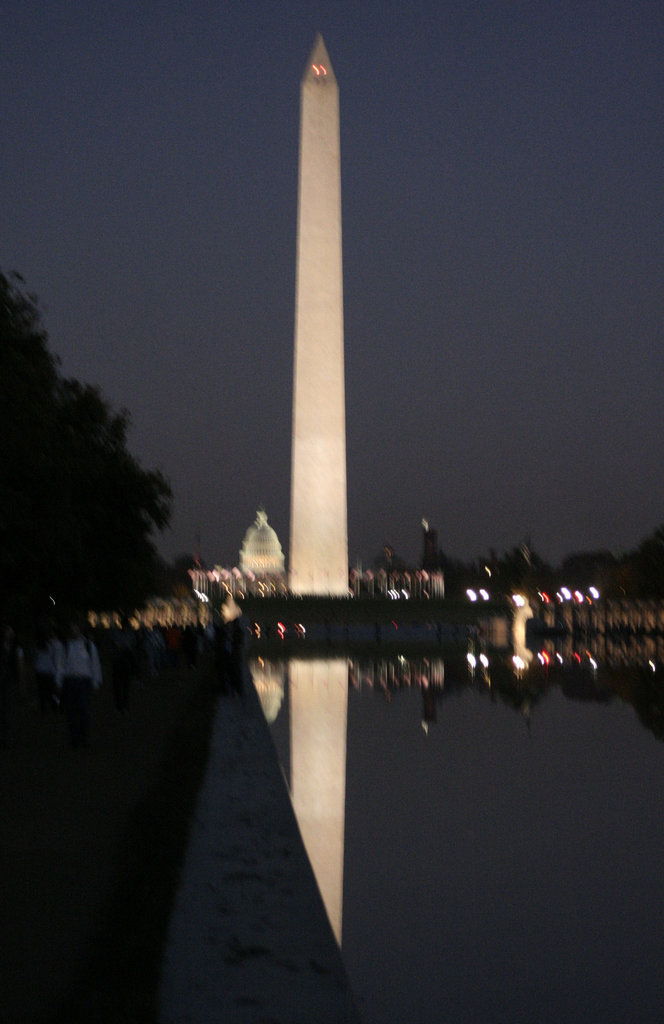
(77, 511)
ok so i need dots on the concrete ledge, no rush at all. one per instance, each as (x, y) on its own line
(249, 940)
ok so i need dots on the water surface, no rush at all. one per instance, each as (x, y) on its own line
(503, 846)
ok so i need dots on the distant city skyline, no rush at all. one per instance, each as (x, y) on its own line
(502, 245)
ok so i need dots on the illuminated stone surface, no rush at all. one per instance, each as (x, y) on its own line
(318, 538)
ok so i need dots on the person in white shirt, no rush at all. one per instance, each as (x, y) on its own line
(78, 674)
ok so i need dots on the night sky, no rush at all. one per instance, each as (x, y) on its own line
(503, 254)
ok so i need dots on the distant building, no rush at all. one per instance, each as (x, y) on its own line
(261, 571)
(586, 568)
(431, 554)
(261, 552)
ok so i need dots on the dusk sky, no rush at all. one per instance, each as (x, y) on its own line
(502, 183)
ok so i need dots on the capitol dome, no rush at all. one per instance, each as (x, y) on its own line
(261, 551)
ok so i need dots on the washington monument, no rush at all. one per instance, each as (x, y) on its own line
(318, 690)
(318, 525)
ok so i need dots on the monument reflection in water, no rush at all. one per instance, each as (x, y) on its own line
(318, 703)
(318, 718)
(315, 760)
(502, 863)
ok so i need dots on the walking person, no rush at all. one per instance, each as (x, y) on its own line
(221, 656)
(173, 637)
(190, 646)
(234, 624)
(79, 673)
(48, 654)
(154, 647)
(124, 665)
(11, 677)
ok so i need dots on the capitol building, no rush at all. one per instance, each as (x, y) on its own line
(261, 569)
(261, 553)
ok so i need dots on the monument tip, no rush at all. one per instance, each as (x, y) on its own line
(319, 66)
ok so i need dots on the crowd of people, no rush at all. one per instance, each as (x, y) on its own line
(65, 670)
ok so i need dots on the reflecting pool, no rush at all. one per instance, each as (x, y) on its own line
(502, 853)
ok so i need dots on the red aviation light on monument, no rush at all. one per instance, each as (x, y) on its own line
(319, 70)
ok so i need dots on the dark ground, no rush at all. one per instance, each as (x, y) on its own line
(90, 850)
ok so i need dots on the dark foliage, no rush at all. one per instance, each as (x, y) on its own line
(77, 511)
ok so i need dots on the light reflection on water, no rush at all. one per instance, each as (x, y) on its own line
(503, 835)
